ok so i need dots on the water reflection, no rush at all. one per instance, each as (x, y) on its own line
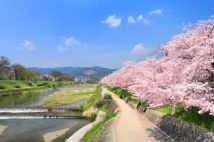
(29, 99)
(24, 116)
(35, 99)
(32, 130)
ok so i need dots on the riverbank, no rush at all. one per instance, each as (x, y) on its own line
(49, 137)
(7, 85)
(15, 91)
(66, 96)
(8, 88)
(37, 97)
(2, 128)
(31, 98)
(24, 112)
(76, 137)
(100, 102)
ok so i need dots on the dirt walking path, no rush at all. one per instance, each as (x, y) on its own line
(129, 125)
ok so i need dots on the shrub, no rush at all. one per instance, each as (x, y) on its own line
(2, 87)
(79, 108)
(107, 97)
(93, 116)
(45, 83)
(59, 84)
(100, 103)
(42, 84)
(17, 86)
(39, 85)
(30, 83)
(54, 85)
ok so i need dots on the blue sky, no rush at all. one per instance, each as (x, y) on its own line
(56, 33)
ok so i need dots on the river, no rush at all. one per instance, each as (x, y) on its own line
(24, 127)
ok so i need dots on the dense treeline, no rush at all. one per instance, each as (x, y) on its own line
(10, 71)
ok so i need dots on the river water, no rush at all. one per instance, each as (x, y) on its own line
(32, 128)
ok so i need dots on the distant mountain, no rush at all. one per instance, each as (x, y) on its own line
(83, 72)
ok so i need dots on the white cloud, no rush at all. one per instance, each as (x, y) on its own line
(70, 41)
(113, 21)
(26, 44)
(156, 12)
(140, 17)
(146, 21)
(143, 19)
(131, 20)
(138, 49)
(62, 48)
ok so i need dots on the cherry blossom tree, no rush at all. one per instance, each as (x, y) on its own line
(183, 75)
(193, 50)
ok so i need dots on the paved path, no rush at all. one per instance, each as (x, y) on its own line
(130, 126)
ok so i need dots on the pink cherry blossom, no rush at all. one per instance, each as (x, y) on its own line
(183, 75)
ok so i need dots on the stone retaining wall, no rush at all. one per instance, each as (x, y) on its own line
(154, 117)
(180, 131)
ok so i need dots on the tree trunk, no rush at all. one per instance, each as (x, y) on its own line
(173, 109)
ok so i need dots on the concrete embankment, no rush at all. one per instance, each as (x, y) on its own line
(81, 132)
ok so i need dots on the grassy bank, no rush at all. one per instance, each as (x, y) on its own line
(67, 97)
(105, 104)
(90, 136)
(30, 84)
(191, 115)
(96, 95)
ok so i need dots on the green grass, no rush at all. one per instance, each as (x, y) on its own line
(165, 109)
(134, 101)
(10, 85)
(191, 115)
(67, 97)
(104, 108)
(102, 104)
(90, 136)
(30, 84)
(91, 101)
(119, 91)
